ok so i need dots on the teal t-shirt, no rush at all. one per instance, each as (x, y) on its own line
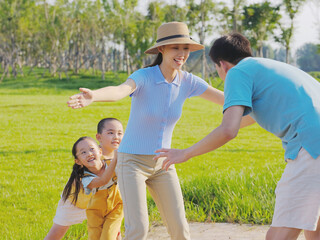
(282, 99)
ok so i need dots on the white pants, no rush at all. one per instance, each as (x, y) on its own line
(298, 194)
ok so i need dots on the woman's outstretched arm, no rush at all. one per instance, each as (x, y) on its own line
(216, 96)
(213, 95)
(106, 94)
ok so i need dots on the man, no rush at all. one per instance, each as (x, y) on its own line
(286, 102)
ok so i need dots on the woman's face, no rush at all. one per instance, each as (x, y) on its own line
(175, 55)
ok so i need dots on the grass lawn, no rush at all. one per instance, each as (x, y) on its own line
(235, 183)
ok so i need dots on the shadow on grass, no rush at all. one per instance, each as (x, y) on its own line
(38, 151)
(16, 106)
(249, 150)
(39, 79)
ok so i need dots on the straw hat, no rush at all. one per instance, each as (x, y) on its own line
(174, 33)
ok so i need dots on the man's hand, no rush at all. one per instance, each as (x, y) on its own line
(172, 156)
(82, 99)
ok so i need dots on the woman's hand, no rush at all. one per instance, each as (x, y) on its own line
(82, 99)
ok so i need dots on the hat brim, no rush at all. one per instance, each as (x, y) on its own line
(194, 46)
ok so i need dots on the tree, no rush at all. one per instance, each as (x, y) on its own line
(175, 13)
(67, 35)
(125, 17)
(56, 30)
(94, 34)
(316, 13)
(199, 20)
(292, 7)
(268, 51)
(14, 25)
(230, 18)
(260, 19)
(155, 17)
(307, 57)
(236, 15)
(280, 54)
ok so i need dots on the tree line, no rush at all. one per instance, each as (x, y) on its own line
(111, 35)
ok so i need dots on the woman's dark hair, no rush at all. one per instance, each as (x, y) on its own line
(76, 175)
(103, 121)
(231, 48)
(157, 61)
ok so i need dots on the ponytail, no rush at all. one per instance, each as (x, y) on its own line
(157, 61)
(74, 180)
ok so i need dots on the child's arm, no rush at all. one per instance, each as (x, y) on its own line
(106, 94)
(105, 177)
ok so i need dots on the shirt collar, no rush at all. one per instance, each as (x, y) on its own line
(160, 78)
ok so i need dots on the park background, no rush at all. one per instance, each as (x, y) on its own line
(48, 49)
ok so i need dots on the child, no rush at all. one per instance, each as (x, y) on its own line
(71, 207)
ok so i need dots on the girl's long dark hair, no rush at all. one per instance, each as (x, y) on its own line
(75, 177)
(157, 61)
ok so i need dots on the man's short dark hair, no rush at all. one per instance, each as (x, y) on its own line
(231, 48)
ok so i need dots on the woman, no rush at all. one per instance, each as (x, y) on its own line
(158, 93)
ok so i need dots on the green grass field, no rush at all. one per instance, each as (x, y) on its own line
(235, 183)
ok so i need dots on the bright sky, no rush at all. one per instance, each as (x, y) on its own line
(306, 26)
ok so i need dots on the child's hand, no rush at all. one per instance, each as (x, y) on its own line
(82, 99)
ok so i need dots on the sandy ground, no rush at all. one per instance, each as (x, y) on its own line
(216, 231)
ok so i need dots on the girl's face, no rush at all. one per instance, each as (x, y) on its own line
(175, 55)
(111, 136)
(89, 155)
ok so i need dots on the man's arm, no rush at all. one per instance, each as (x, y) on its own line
(227, 130)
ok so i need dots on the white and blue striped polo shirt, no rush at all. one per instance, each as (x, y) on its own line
(156, 106)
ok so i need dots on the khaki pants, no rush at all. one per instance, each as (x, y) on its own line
(135, 173)
(105, 214)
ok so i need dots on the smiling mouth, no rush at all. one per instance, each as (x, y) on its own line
(179, 61)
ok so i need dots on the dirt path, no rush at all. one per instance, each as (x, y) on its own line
(216, 231)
